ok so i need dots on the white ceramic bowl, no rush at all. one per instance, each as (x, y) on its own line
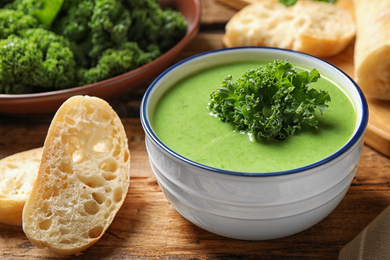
(253, 206)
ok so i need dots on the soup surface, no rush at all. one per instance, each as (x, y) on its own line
(183, 122)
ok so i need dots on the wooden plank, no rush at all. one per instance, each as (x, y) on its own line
(147, 227)
(378, 132)
(237, 4)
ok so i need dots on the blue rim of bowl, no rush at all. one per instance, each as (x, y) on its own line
(149, 131)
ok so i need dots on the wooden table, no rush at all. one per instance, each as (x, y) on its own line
(147, 227)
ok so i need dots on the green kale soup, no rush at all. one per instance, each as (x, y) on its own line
(184, 123)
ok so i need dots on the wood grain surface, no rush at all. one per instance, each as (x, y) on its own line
(147, 227)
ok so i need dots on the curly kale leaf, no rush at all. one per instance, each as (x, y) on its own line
(153, 25)
(20, 65)
(115, 61)
(12, 22)
(59, 64)
(94, 26)
(273, 101)
(72, 21)
(98, 26)
(293, 2)
(37, 60)
(44, 10)
(110, 23)
(97, 39)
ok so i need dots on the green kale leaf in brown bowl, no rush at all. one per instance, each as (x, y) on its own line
(52, 50)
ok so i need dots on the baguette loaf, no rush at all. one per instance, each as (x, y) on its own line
(239, 4)
(318, 28)
(18, 173)
(82, 180)
(372, 48)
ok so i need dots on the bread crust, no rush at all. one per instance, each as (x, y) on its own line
(372, 48)
(82, 180)
(316, 28)
(18, 173)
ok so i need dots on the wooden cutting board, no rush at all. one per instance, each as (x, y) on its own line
(378, 131)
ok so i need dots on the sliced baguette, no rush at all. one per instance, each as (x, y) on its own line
(18, 173)
(83, 177)
(372, 48)
(317, 28)
(239, 4)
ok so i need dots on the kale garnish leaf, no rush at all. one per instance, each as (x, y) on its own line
(273, 101)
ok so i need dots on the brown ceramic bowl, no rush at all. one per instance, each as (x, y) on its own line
(49, 102)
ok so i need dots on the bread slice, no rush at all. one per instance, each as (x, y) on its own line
(83, 177)
(317, 28)
(239, 4)
(18, 173)
(372, 48)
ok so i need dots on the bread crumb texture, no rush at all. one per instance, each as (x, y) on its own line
(83, 177)
(18, 173)
(317, 28)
